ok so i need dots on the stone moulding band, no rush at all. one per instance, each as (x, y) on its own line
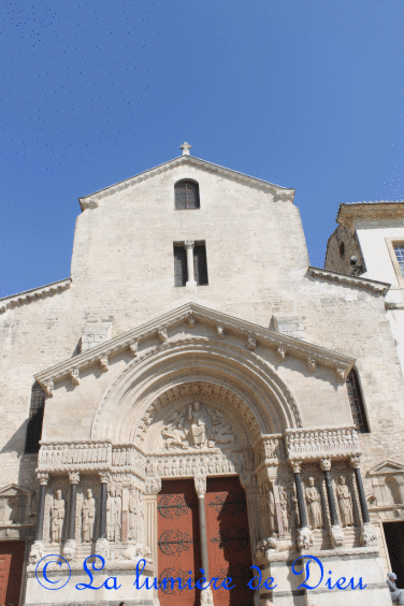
(232, 327)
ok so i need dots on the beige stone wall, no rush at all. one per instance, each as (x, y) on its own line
(122, 271)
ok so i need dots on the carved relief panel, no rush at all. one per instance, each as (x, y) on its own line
(14, 506)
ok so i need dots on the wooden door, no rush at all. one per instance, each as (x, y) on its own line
(178, 541)
(228, 537)
(11, 563)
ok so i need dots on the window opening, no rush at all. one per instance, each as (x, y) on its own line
(186, 195)
(399, 252)
(34, 427)
(190, 265)
(180, 266)
(200, 265)
(356, 402)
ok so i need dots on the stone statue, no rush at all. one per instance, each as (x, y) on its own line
(221, 430)
(283, 501)
(197, 430)
(111, 514)
(117, 516)
(313, 505)
(88, 514)
(345, 503)
(267, 506)
(175, 434)
(133, 515)
(58, 516)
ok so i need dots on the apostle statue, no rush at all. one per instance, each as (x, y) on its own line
(58, 516)
(88, 513)
(313, 505)
(345, 503)
(197, 430)
(133, 515)
(283, 501)
(111, 514)
(117, 516)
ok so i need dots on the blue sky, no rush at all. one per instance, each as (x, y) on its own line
(302, 93)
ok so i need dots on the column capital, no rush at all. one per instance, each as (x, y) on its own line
(104, 477)
(43, 478)
(325, 464)
(153, 485)
(200, 486)
(74, 477)
(296, 465)
(355, 461)
(189, 244)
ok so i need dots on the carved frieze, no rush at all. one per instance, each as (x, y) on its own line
(211, 464)
(322, 444)
(80, 454)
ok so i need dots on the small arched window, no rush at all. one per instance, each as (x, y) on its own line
(356, 402)
(342, 249)
(186, 194)
(34, 427)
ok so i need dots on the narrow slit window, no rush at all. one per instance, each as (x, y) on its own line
(186, 195)
(180, 266)
(34, 427)
(200, 265)
(356, 402)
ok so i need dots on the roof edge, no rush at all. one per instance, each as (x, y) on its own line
(26, 296)
(380, 288)
(281, 193)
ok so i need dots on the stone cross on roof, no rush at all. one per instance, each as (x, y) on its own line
(185, 148)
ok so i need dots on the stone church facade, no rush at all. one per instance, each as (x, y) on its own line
(210, 401)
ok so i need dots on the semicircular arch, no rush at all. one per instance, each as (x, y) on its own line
(251, 382)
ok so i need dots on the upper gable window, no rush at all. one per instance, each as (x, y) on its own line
(186, 194)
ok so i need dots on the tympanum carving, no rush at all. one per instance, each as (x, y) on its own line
(197, 427)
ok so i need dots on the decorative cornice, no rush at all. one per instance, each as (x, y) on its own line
(229, 325)
(392, 305)
(33, 295)
(280, 193)
(380, 288)
(353, 212)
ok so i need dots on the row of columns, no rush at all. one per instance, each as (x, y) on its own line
(200, 487)
(325, 465)
(74, 478)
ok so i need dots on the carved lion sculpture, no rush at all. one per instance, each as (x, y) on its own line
(275, 544)
(134, 553)
(37, 552)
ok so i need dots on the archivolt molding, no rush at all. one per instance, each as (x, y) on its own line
(193, 360)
